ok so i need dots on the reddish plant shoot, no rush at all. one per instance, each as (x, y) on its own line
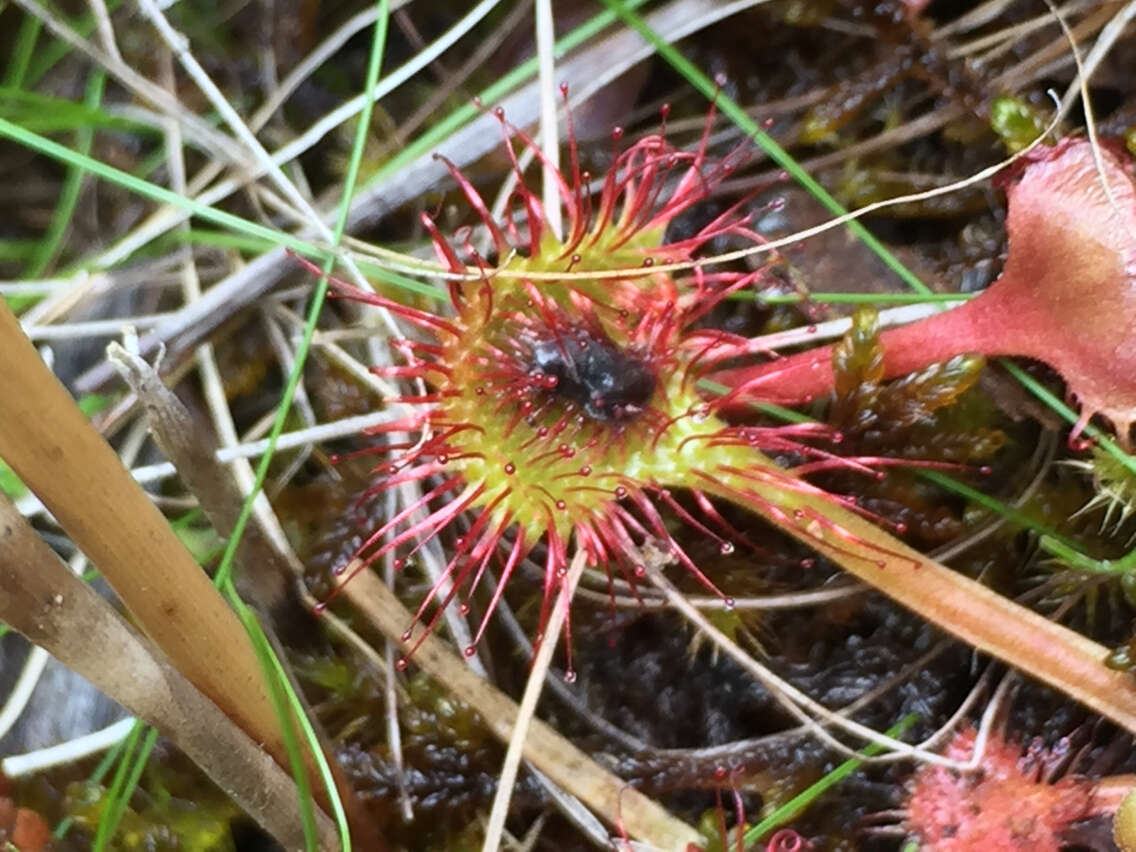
(787, 840)
(558, 405)
(1067, 295)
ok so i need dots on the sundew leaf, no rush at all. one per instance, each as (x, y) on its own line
(1067, 295)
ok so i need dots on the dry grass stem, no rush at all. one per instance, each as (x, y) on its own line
(266, 574)
(264, 579)
(533, 688)
(60, 456)
(42, 599)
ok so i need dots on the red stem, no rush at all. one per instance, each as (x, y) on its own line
(807, 375)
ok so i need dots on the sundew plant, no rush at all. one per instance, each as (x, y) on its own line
(527, 386)
(563, 401)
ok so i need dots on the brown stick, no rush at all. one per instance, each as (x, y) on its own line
(60, 456)
(42, 599)
(263, 577)
(609, 796)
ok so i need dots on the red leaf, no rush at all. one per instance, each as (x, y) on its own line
(1066, 297)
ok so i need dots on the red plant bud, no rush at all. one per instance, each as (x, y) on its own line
(1006, 803)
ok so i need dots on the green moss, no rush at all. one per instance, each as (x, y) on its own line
(1015, 122)
(164, 815)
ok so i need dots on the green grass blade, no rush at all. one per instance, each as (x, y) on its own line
(1075, 558)
(22, 51)
(992, 503)
(338, 812)
(152, 191)
(320, 293)
(1041, 392)
(1057, 546)
(806, 797)
(17, 249)
(48, 114)
(162, 195)
(995, 505)
(130, 766)
(222, 239)
(72, 185)
(278, 687)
